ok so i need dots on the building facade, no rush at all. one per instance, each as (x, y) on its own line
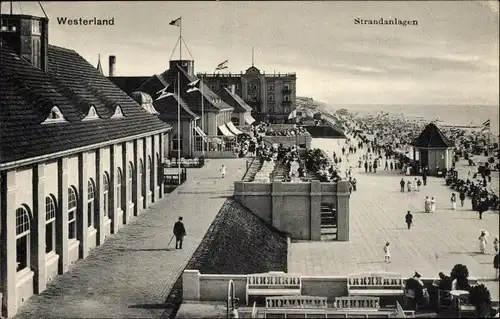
(78, 159)
(272, 97)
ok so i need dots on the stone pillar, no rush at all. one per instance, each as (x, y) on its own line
(145, 182)
(191, 285)
(136, 183)
(277, 204)
(9, 235)
(112, 207)
(126, 197)
(99, 204)
(38, 229)
(159, 166)
(447, 163)
(62, 216)
(315, 212)
(343, 211)
(82, 218)
(154, 170)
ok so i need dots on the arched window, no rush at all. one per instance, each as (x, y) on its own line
(119, 189)
(105, 194)
(23, 232)
(72, 207)
(130, 181)
(151, 174)
(50, 224)
(90, 203)
(141, 177)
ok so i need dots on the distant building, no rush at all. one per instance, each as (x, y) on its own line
(271, 96)
(78, 158)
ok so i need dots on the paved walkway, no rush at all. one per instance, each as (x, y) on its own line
(377, 214)
(132, 273)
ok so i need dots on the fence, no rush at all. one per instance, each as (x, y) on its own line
(215, 146)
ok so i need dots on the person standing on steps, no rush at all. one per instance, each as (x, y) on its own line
(409, 219)
(179, 233)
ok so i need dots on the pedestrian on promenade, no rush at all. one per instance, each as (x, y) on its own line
(427, 204)
(409, 219)
(375, 165)
(433, 205)
(495, 243)
(424, 179)
(391, 166)
(366, 167)
(462, 197)
(354, 183)
(408, 184)
(453, 201)
(496, 266)
(419, 183)
(179, 233)
(386, 167)
(483, 241)
(387, 253)
(223, 170)
(370, 166)
(402, 184)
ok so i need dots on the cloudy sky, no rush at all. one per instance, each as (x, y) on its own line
(450, 57)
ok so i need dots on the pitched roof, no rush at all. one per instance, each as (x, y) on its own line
(432, 137)
(28, 94)
(239, 242)
(167, 107)
(234, 100)
(128, 84)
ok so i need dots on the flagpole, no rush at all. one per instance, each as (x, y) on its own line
(180, 38)
(178, 128)
(489, 134)
(202, 117)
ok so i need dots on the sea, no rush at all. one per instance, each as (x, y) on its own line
(463, 115)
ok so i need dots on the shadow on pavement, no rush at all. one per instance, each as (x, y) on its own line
(152, 306)
(145, 249)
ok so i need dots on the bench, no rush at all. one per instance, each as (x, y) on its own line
(293, 306)
(273, 284)
(375, 284)
(357, 303)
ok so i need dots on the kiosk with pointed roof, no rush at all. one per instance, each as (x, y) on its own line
(434, 150)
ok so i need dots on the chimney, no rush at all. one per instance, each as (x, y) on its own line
(233, 88)
(28, 36)
(112, 64)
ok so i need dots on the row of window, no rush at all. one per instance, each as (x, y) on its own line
(24, 219)
(57, 116)
(270, 98)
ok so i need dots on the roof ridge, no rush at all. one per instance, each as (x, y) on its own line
(63, 48)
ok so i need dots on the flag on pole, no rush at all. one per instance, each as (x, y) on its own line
(292, 115)
(486, 125)
(176, 22)
(165, 92)
(222, 66)
(193, 86)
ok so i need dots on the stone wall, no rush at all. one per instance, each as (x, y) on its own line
(295, 208)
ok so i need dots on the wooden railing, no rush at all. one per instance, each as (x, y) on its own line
(357, 302)
(296, 302)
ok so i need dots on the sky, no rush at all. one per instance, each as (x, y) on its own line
(451, 57)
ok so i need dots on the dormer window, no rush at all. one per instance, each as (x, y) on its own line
(92, 114)
(118, 113)
(55, 116)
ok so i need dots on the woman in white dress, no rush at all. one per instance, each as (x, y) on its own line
(453, 201)
(433, 205)
(483, 241)
(387, 253)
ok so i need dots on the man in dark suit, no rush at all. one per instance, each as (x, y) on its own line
(409, 219)
(179, 232)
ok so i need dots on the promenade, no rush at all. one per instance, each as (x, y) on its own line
(435, 243)
(132, 273)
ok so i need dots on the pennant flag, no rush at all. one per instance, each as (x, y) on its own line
(222, 66)
(176, 22)
(292, 115)
(486, 123)
(165, 92)
(193, 86)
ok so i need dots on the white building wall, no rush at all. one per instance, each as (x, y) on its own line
(106, 159)
(51, 178)
(73, 171)
(91, 166)
(24, 191)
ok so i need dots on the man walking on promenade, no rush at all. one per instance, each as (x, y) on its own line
(496, 266)
(462, 197)
(409, 219)
(424, 179)
(402, 184)
(179, 233)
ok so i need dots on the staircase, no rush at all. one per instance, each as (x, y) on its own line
(328, 223)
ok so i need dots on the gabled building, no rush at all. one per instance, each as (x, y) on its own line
(434, 149)
(78, 158)
(242, 113)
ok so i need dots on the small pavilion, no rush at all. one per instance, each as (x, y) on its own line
(434, 150)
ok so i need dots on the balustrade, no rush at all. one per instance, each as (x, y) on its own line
(297, 302)
(362, 303)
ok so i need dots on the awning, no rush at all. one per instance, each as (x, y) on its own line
(233, 128)
(225, 131)
(200, 132)
(249, 119)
